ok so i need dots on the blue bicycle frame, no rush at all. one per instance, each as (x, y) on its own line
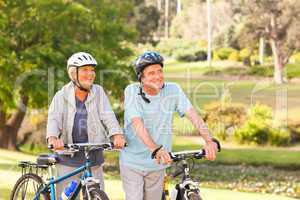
(86, 168)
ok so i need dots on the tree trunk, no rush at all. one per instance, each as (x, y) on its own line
(261, 50)
(178, 9)
(278, 62)
(166, 19)
(278, 73)
(209, 32)
(9, 129)
(3, 137)
(158, 5)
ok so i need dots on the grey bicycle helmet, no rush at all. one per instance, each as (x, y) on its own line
(146, 59)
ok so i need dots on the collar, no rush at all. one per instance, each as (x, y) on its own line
(69, 94)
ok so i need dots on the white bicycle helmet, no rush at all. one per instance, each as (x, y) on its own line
(78, 60)
(81, 59)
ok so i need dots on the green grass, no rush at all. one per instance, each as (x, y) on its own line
(293, 70)
(113, 183)
(34, 149)
(248, 92)
(232, 154)
(228, 68)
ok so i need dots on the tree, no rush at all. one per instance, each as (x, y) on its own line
(278, 22)
(36, 38)
(191, 24)
(145, 18)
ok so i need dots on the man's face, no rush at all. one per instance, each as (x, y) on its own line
(153, 76)
(86, 76)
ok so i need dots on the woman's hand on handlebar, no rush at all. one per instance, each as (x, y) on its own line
(118, 141)
(56, 143)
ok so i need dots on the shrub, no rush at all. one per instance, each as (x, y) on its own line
(222, 118)
(245, 55)
(252, 132)
(295, 58)
(258, 129)
(191, 55)
(295, 131)
(223, 53)
(201, 55)
(279, 137)
(215, 56)
(292, 70)
(258, 70)
(171, 47)
(234, 56)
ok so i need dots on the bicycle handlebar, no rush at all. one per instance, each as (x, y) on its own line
(86, 146)
(198, 154)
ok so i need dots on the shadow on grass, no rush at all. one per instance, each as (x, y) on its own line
(10, 167)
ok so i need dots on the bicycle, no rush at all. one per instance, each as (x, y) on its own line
(40, 189)
(187, 188)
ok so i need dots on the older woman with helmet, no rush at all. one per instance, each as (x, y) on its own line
(80, 112)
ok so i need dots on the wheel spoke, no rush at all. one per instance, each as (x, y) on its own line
(24, 190)
(27, 186)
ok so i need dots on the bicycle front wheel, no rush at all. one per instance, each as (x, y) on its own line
(95, 193)
(194, 196)
(27, 186)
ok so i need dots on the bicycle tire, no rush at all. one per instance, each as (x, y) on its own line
(194, 196)
(22, 182)
(96, 193)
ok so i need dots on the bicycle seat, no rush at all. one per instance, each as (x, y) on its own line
(47, 159)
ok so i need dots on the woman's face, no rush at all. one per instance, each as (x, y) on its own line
(86, 76)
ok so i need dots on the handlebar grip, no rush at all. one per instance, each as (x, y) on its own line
(112, 144)
(218, 144)
(50, 146)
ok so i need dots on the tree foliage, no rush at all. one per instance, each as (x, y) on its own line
(276, 20)
(145, 19)
(37, 37)
(192, 22)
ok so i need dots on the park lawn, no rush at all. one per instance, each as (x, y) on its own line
(202, 90)
(115, 192)
(227, 68)
(9, 173)
(233, 154)
(247, 92)
(259, 164)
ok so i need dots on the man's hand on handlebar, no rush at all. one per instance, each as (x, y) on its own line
(163, 157)
(211, 147)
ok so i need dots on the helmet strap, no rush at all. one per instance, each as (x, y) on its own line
(143, 95)
(77, 83)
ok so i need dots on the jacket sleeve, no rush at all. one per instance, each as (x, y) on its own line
(107, 116)
(55, 116)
